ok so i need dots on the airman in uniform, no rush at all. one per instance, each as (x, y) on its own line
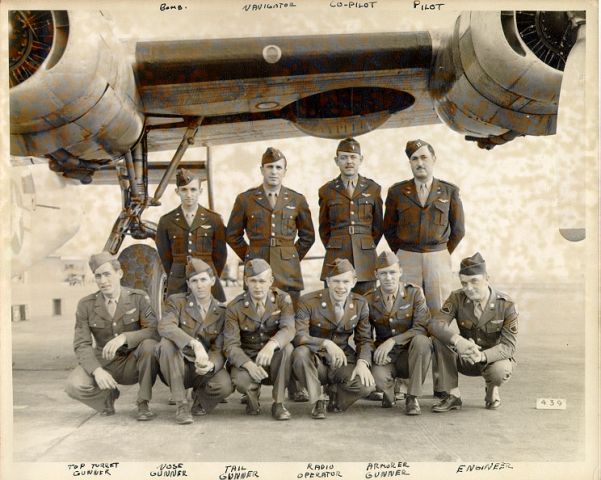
(190, 231)
(190, 351)
(121, 324)
(259, 325)
(399, 317)
(487, 338)
(272, 217)
(350, 216)
(325, 321)
(423, 224)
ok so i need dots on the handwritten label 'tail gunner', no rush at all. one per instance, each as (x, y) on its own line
(92, 469)
(238, 472)
(320, 470)
(170, 470)
(386, 470)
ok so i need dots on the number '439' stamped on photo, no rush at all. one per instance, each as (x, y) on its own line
(551, 403)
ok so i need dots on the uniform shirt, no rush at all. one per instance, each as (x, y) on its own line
(437, 225)
(272, 232)
(133, 317)
(204, 239)
(316, 322)
(496, 331)
(351, 227)
(408, 317)
(182, 321)
(246, 333)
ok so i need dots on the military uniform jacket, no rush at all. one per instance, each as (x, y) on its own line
(351, 227)
(316, 322)
(408, 317)
(246, 333)
(438, 225)
(496, 331)
(204, 239)
(181, 322)
(133, 317)
(272, 232)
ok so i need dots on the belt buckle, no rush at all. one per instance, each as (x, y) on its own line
(272, 242)
(351, 230)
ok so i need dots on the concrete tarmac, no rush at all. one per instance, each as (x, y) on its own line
(49, 426)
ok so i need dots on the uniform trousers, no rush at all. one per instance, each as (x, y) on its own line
(178, 372)
(279, 375)
(412, 362)
(450, 365)
(312, 372)
(138, 366)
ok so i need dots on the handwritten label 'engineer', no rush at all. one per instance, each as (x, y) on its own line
(238, 472)
(91, 470)
(320, 470)
(386, 470)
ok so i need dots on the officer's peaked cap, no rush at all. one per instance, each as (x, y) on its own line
(255, 267)
(99, 259)
(349, 145)
(474, 265)
(196, 266)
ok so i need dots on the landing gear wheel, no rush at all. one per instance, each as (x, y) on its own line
(142, 269)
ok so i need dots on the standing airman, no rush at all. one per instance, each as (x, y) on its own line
(350, 216)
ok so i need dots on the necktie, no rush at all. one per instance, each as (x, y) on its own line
(202, 311)
(112, 306)
(389, 302)
(478, 310)
(349, 188)
(260, 309)
(423, 194)
(272, 197)
(338, 312)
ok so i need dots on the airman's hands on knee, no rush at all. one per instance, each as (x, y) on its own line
(104, 379)
(362, 371)
(336, 355)
(110, 349)
(381, 354)
(257, 373)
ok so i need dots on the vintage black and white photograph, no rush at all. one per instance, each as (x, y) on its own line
(300, 240)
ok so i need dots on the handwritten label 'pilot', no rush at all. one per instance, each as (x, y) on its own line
(386, 470)
(238, 472)
(170, 470)
(92, 469)
(320, 470)
(427, 6)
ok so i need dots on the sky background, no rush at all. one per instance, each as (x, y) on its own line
(510, 194)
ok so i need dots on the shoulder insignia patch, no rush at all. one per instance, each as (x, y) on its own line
(447, 308)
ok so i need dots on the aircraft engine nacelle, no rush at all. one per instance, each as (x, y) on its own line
(72, 90)
(499, 75)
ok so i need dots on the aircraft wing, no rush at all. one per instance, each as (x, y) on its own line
(77, 99)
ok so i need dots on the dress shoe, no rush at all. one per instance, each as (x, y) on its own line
(109, 403)
(449, 403)
(280, 412)
(492, 400)
(144, 412)
(300, 396)
(253, 407)
(412, 406)
(319, 410)
(387, 403)
(183, 415)
(197, 410)
(375, 396)
(441, 395)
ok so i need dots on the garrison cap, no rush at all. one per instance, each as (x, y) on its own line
(474, 265)
(183, 177)
(340, 266)
(272, 155)
(386, 259)
(413, 145)
(255, 267)
(349, 145)
(99, 259)
(196, 266)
